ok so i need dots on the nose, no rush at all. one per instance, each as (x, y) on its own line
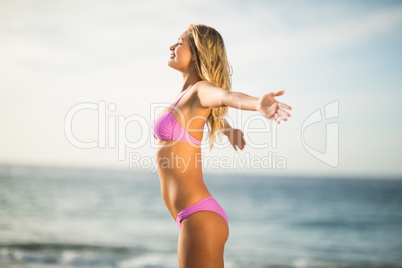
(172, 47)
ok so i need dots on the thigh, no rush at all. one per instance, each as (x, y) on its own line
(202, 240)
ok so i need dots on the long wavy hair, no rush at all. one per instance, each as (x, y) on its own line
(211, 65)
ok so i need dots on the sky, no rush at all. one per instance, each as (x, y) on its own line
(81, 81)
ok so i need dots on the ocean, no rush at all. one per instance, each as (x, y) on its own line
(62, 217)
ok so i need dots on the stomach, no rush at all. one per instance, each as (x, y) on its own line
(180, 172)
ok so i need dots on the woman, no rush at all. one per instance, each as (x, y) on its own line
(200, 56)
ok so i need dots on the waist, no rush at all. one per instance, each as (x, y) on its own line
(180, 172)
(178, 157)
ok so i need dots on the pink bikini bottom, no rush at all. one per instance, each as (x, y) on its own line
(208, 204)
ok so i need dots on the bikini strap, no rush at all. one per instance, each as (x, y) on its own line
(179, 100)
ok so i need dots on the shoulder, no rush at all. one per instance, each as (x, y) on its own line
(206, 87)
(202, 85)
(209, 95)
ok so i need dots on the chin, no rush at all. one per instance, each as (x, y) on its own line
(171, 64)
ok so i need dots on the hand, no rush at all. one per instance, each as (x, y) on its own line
(272, 109)
(235, 137)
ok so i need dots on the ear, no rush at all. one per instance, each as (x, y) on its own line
(193, 58)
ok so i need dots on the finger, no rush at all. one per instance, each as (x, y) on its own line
(283, 113)
(281, 118)
(279, 93)
(284, 106)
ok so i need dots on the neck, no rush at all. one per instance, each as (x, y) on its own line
(189, 79)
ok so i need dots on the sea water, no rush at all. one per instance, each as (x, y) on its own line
(55, 217)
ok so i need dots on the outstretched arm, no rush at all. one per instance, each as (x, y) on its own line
(214, 97)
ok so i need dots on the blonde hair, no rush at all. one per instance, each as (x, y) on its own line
(211, 65)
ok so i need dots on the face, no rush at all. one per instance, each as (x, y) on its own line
(180, 56)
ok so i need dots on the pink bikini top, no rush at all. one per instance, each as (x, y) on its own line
(165, 127)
